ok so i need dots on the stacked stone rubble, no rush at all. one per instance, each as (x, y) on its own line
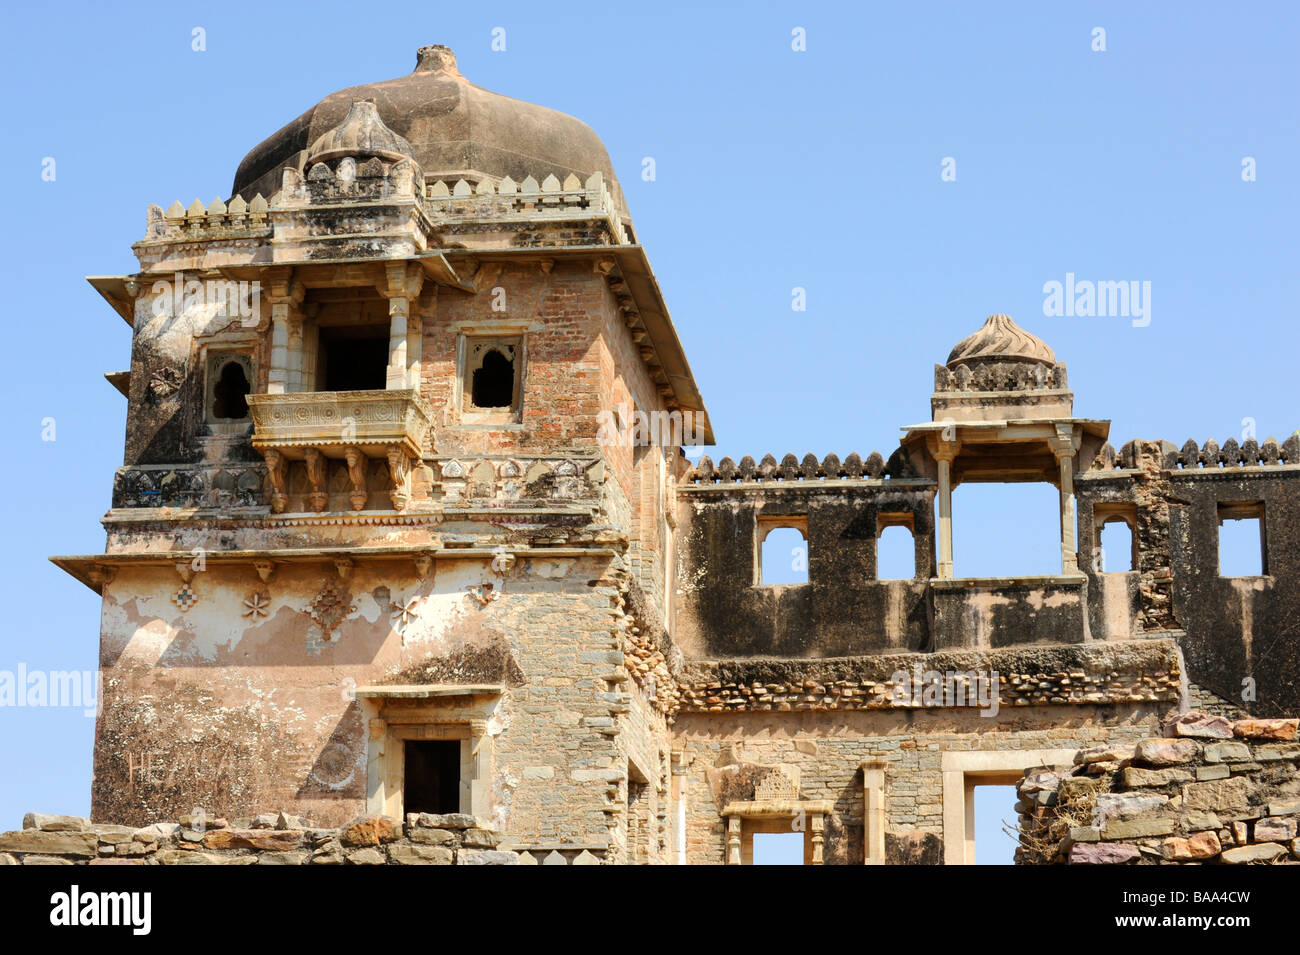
(266, 839)
(1209, 791)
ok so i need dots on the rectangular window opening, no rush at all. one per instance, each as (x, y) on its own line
(782, 551)
(1243, 550)
(895, 546)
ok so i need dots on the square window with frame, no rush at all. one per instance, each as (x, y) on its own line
(491, 377)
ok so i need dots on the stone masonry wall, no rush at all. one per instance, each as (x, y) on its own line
(1207, 791)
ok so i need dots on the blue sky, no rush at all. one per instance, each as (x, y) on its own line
(775, 169)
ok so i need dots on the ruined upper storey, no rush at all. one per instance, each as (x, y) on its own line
(455, 129)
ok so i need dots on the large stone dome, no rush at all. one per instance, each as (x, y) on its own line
(454, 128)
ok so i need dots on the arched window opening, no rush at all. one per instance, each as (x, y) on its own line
(230, 393)
(494, 382)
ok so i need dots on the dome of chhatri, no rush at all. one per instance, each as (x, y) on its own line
(452, 129)
(1001, 339)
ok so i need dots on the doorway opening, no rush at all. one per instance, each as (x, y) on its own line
(431, 777)
(995, 814)
(353, 358)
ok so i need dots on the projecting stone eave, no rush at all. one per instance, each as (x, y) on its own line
(95, 570)
(114, 290)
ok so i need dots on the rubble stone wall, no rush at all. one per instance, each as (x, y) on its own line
(266, 839)
(1207, 791)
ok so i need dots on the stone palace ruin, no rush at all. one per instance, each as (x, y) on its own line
(405, 529)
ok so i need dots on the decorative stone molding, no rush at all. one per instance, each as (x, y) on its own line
(218, 487)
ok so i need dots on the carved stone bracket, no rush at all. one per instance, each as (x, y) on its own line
(316, 475)
(357, 475)
(399, 467)
(277, 468)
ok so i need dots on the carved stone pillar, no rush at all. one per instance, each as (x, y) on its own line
(285, 296)
(1064, 445)
(944, 452)
(733, 839)
(817, 830)
(403, 282)
(398, 318)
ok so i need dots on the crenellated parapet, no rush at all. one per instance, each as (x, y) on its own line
(216, 220)
(506, 201)
(1208, 456)
(791, 468)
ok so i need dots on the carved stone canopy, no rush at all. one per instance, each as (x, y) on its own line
(361, 135)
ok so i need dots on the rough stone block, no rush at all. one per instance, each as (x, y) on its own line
(482, 838)
(46, 860)
(371, 830)
(1127, 805)
(192, 857)
(253, 839)
(367, 856)
(432, 837)
(1270, 752)
(296, 857)
(1232, 752)
(406, 854)
(1221, 795)
(1195, 819)
(1284, 807)
(1165, 752)
(158, 832)
(39, 820)
(1203, 845)
(1199, 726)
(1204, 773)
(1263, 853)
(486, 857)
(1275, 829)
(1103, 754)
(51, 843)
(1276, 729)
(1134, 777)
(451, 820)
(1136, 828)
(1101, 853)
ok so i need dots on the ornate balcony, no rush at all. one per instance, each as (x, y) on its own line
(347, 425)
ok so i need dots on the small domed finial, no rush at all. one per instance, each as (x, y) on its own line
(436, 59)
